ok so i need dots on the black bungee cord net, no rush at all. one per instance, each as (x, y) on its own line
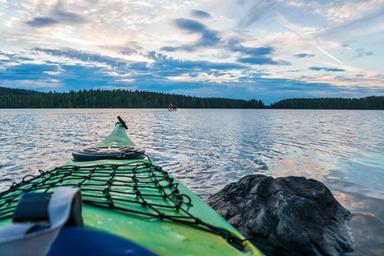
(137, 187)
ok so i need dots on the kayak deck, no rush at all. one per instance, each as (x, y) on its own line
(149, 207)
(137, 200)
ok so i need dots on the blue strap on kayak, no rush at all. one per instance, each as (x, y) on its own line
(32, 207)
(85, 241)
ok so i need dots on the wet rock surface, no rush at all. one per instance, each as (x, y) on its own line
(286, 215)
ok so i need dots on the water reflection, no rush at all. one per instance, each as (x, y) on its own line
(367, 224)
(207, 149)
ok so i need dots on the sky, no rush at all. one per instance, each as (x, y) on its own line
(268, 50)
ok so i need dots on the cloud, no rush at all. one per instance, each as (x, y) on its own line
(208, 38)
(200, 14)
(235, 46)
(190, 25)
(257, 9)
(261, 60)
(344, 16)
(250, 55)
(304, 55)
(65, 16)
(75, 76)
(255, 55)
(164, 63)
(257, 50)
(362, 53)
(326, 69)
(82, 56)
(169, 48)
(6, 56)
(58, 75)
(57, 15)
(127, 51)
(27, 71)
(42, 22)
(304, 36)
(166, 74)
(157, 67)
(30, 76)
(159, 61)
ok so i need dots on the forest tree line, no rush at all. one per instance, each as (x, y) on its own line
(372, 102)
(19, 98)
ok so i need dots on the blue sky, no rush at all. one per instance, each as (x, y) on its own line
(267, 50)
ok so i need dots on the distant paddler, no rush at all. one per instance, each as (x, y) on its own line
(172, 107)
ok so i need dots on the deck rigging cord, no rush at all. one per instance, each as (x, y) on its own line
(120, 187)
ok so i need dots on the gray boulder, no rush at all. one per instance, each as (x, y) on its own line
(286, 216)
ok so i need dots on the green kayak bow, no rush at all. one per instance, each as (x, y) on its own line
(125, 194)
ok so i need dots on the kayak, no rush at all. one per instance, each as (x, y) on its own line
(172, 107)
(112, 199)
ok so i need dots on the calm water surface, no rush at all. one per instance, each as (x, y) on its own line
(207, 149)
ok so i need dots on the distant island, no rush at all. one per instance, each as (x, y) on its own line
(20, 98)
(372, 102)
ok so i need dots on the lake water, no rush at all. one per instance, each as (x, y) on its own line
(207, 149)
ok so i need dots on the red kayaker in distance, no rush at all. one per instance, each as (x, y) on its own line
(172, 107)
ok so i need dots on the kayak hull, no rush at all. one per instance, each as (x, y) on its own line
(137, 200)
